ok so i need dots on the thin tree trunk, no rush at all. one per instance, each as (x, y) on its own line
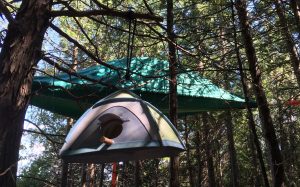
(123, 180)
(234, 170)
(199, 158)
(64, 174)
(70, 121)
(137, 177)
(91, 175)
(174, 161)
(208, 152)
(156, 172)
(292, 151)
(20, 52)
(219, 176)
(296, 13)
(65, 165)
(264, 111)
(188, 159)
(290, 44)
(102, 175)
(83, 175)
(283, 137)
(255, 177)
(251, 122)
(232, 153)
(70, 182)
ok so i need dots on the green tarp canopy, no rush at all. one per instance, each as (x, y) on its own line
(72, 95)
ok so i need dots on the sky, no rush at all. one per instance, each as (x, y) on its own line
(30, 150)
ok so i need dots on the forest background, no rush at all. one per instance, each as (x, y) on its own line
(250, 48)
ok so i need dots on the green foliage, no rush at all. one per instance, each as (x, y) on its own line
(204, 35)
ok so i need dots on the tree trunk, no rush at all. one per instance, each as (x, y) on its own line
(264, 111)
(251, 124)
(20, 52)
(156, 171)
(65, 165)
(137, 177)
(292, 151)
(208, 152)
(64, 174)
(188, 152)
(102, 175)
(290, 44)
(70, 121)
(83, 175)
(174, 161)
(234, 170)
(71, 179)
(199, 158)
(232, 153)
(255, 179)
(91, 175)
(296, 13)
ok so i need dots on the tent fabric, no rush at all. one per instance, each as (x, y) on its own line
(71, 96)
(136, 129)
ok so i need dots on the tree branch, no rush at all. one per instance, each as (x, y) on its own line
(87, 36)
(6, 13)
(106, 12)
(81, 47)
(48, 183)
(7, 169)
(43, 133)
(65, 70)
(148, 7)
(36, 132)
(100, 5)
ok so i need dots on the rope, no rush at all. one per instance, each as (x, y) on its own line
(130, 42)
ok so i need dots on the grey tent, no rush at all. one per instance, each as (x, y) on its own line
(121, 127)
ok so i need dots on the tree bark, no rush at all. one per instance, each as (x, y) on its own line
(64, 174)
(102, 175)
(91, 175)
(199, 158)
(290, 44)
(255, 179)
(174, 161)
(83, 175)
(234, 170)
(264, 111)
(20, 52)
(232, 153)
(296, 13)
(208, 152)
(137, 177)
(251, 123)
(65, 165)
(156, 172)
(188, 152)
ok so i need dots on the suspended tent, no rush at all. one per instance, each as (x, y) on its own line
(121, 127)
(71, 95)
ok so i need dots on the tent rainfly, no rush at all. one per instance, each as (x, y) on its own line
(71, 95)
(121, 127)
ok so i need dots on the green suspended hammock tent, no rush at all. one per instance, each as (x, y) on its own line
(125, 125)
(71, 96)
